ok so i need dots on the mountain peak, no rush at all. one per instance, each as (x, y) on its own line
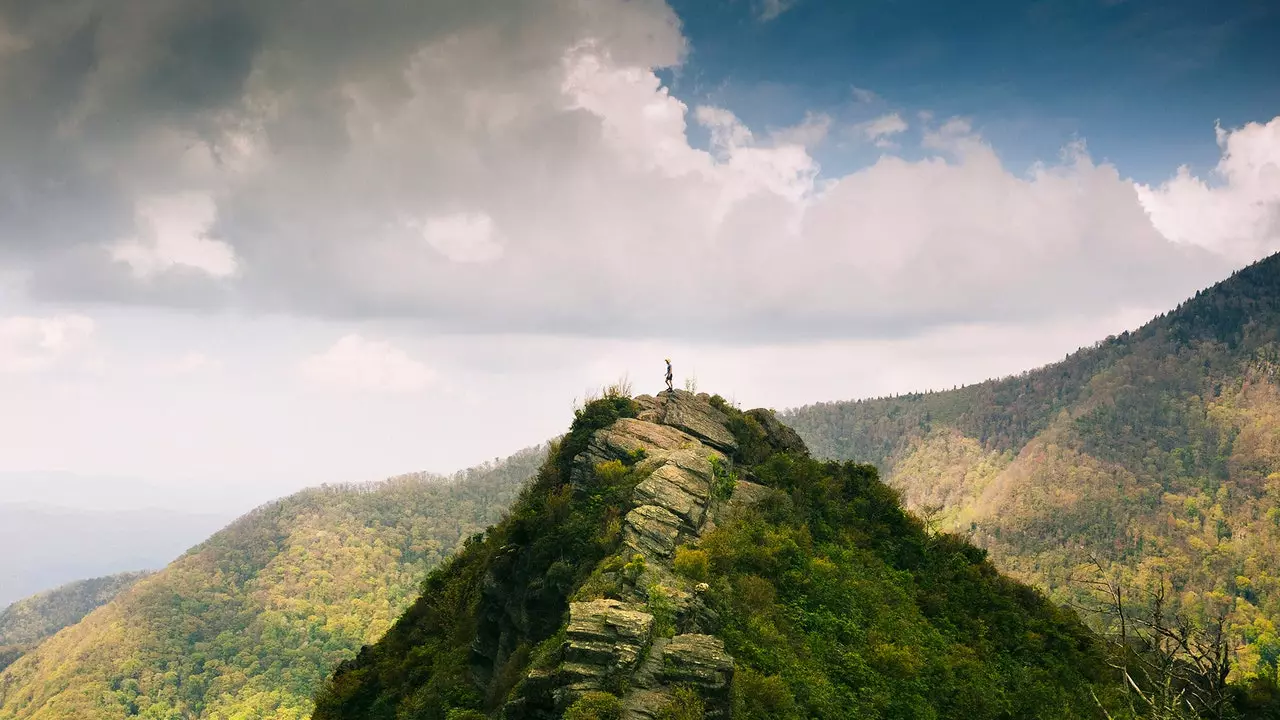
(677, 557)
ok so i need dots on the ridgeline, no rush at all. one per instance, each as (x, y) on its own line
(1151, 458)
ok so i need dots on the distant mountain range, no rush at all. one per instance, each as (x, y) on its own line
(1155, 453)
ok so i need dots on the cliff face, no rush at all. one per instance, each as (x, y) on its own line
(678, 558)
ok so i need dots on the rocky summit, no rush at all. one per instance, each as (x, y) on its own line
(612, 643)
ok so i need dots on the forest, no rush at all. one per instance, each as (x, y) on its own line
(1151, 459)
(250, 622)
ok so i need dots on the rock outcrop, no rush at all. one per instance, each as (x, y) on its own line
(676, 447)
(651, 633)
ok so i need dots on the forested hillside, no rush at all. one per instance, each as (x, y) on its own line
(247, 624)
(1154, 454)
(677, 558)
(25, 623)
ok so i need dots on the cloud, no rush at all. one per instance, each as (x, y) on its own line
(863, 95)
(33, 344)
(768, 10)
(881, 129)
(463, 237)
(1239, 216)
(356, 363)
(174, 231)
(478, 167)
(809, 133)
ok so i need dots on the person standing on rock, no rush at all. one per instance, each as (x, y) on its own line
(670, 388)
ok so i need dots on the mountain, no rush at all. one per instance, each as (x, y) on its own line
(1153, 457)
(248, 623)
(27, 622)
(48, 546)
(677, 558)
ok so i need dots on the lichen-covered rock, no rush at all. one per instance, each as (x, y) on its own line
(676, 490)
(694, 415)
(604, 639)
(651, 531)
(627, 440)
(698, 660)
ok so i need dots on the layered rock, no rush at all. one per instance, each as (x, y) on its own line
(691, 413)
(638, 645)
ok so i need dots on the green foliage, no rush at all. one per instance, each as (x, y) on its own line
(453, 649)
(761, 697)
(685, 704)
(27, 622)
(595, 706)
(633, 569)
(663, 610)
(1152, 452)
(249, 623)
(692, 563)
(466, 715)
(835, 603)
(723, 480)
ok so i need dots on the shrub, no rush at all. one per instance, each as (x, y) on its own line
(663, 611)
(634, 569)
(595, 706)
(693, 564)
(466, 715)
(723, 480)
(761, 697)
(685, 705)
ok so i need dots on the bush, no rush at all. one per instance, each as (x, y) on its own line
(693, 564)
(595, 706)
(466, 715)
(761, 697)
(663, 611)
(685, 705)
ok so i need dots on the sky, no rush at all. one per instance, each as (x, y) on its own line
(251, 247)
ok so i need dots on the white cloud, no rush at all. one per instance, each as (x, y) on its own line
(356, 363)
(810, 132)
(32, 344)
(880, 130)
(863, 95)
(1239, 216)
(768, 10)
(172, 231)
(463, 237)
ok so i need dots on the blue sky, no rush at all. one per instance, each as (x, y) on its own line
(1141, 81)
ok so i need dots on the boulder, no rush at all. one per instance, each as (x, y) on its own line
(604, 638)
(697, 660)
(677, 490)
(651, 531)
(696, 416)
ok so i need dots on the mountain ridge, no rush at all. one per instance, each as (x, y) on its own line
(1154, 451)
(676, 557)
(249, 621)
